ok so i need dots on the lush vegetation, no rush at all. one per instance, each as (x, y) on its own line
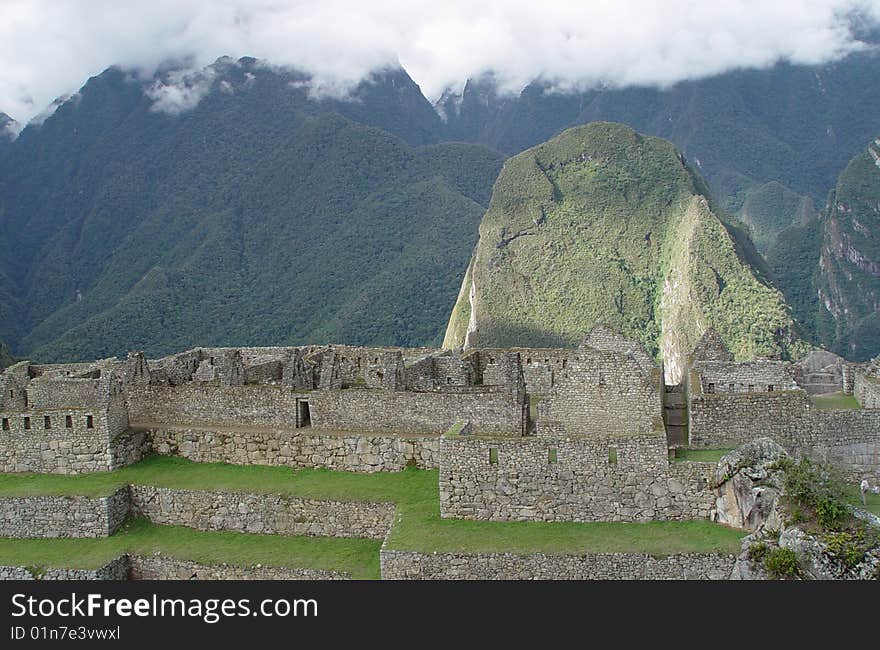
(259, 217)
(265, 216)
(818, 500)
(836, 300)
(791, 124)
(418, 527)
(603, 224)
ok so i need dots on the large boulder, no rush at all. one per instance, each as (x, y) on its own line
(749, 481)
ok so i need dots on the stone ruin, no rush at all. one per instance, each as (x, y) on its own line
(583, 434)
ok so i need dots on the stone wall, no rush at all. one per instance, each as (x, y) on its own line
(406, 565)
(601, 393)
(744, 377)
(59, 450)
(490, 411)
(867, 391)
(602, 337)
(539, 366)
(304, 448)
(162, 567)
(609, 478)
(266, 514)
(63, 516)
(201, 404)
(849, 439)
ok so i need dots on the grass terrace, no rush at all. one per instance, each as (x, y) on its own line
(699, 455)
(834, 401)
(418, 526)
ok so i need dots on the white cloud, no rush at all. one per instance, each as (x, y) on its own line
(181, 90)
(48, 48)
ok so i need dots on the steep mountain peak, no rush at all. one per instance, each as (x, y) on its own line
(9, 128)
(602, 224)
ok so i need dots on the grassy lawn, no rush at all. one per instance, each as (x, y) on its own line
(419, 526)
(834, 401)
(700, 455)
(873, 500)
(358, 557)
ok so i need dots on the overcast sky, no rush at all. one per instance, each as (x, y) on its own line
(48, 48)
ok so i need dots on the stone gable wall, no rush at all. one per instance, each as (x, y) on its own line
(601, 393)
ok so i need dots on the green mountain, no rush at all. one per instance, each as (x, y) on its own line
(763, 139)
(830, 269)
(603, 224)
(260, 216)
(255, 212)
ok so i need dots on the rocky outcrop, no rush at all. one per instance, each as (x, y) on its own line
(749, 481)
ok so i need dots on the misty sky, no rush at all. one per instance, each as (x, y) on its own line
(48, 48)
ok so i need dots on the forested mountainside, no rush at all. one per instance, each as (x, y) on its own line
(830, 268)
(769, 142)
(231, 206)
(259, 216)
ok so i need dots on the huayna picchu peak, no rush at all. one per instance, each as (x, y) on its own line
(602, 223)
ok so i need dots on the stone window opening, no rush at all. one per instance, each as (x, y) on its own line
(491, 360)
(449, 380)
(12, 393)
(529, 360)
(493, 456)
(6, 424)
(27, 422)
(68, 421)
(731, 387)
(710, 388)
(751, 388)
(769, 388)
(90, 422)
(612, 455)
(564, 362)
(305, 415)
(552, 456)
(47, 422)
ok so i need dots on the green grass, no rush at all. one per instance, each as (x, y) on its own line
(834, 401)
(700, 455)
(358, 557)
(855, 498)
(418, 527)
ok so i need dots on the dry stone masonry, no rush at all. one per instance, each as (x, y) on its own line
(405, 565)
(526, 434)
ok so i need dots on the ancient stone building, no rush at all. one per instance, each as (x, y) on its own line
(548, 434)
